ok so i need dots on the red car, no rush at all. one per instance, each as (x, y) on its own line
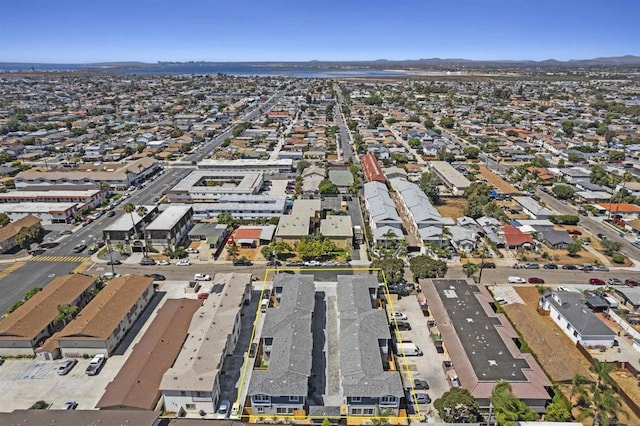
(535, 280)
(203, 296)
(596, 281)
(574, 232)
(632, 283)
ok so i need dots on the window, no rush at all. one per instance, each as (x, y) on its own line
(356, 399)
(575, 334)
(356, 411)
(368, 411)
(260, 398)
(284, 410)
(260, 409)
(294, 399)
(190, 406)
(388, 399)
(569, 327)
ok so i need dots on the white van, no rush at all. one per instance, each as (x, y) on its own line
(407, 349)
(264, 305)
(516, 280)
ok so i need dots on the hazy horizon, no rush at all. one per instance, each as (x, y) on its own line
(74, 32)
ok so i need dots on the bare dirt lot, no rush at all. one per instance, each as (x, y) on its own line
(452, 207)
(556, 353)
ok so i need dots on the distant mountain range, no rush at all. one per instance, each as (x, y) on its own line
(627, 60)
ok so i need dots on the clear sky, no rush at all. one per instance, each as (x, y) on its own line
(74, 31)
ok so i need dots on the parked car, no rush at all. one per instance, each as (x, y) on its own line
(596, 281)
(69, 405)
(312, 263)
(236, 411)
(192, 251)
(158, 277)
(516, 280)
(632, 283)
(602, 236)
(95, 365)
(399, 316)
(273, 263)
(223, 409)
(203, 296)
(550, 266)
(183, 262)
(420, 384)
(111, 213)
(242, 262)
(487, 265)
(147, 261)
(615, 281)
(164, 263)
(202, 277)
(418, 398)
(294, 263)
(586, 267)
(570, 267)
(601, 268)
(114, 262)
(531, 265)
(253, 349)
(574, 232)
(66, 366)
(535, 280)
(401, 325)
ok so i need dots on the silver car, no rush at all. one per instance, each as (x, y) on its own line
(67, 366)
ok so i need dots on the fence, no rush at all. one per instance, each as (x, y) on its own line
(628, 328)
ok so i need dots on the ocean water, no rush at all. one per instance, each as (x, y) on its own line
(239, 69)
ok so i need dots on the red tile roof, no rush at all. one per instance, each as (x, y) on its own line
(372, 169)
(621, 207)
(252, 234)
(515, 237)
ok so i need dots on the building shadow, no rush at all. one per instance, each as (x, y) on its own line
(140, 322)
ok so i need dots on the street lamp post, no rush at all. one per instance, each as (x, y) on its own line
(109, 249)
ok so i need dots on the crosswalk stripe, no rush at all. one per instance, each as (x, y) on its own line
(83, 266)
(59, 259)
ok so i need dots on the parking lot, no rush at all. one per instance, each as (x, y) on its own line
(25, 381)
(427, 367)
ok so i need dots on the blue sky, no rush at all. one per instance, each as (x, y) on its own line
(71, 31)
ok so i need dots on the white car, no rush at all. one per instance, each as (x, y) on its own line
(192, 251)
(202, 277)
(223, 410)
(399, 316)
(516, 280)
(163, 263)
(183, 263)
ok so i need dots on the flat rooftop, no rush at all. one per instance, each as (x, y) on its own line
(123, 222)
(50, 194)
(489, 356)
(230, 180)
(168, 218)
(36, 207)
(245, 163)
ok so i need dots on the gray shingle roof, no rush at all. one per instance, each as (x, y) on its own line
(289, 325)
(572, 306)
(361, 327)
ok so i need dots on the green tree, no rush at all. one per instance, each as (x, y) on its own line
(65, 313)
(477, 195)
(225, 218)
(603, 405)
(563, 192)
(577, 382)
(130, 208)
(414, 142)
(179, 253)
(381, 416)
(314, 248)
(4, 219)
(617, 155)
(426, 267)
(447, 122)
(557, 412)
(457, 405)
(375, 120)
(574, 247)
(392, 267)
(610, 246)
(327, 187)
(567, 128)
(602, 370)
(602, 129)
(429, 183)
(471, 152)
(142, 211)
(507, 408)
(29, 235)
(302, 164)
(470, 269)
(600, 176)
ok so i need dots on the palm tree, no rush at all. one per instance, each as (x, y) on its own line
(130, 208)
(602, 370)
(65, 312)
(142, 212)
(381, 416)
(470, 269)
(446, 232)
(576, 385)
(604, 403)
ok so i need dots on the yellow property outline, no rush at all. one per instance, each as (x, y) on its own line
(417, 416)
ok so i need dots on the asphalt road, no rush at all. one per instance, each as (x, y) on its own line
(550, 276)
(592, 225)
(32, 275)
(345, 139)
